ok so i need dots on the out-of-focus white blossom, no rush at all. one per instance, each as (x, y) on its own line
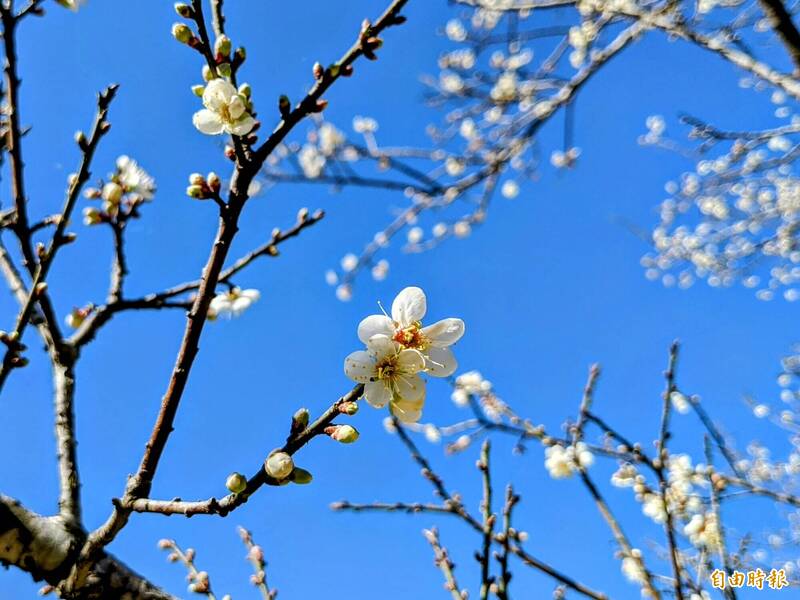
(232, 303)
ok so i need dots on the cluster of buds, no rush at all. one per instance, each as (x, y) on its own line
(203, 188)
(127, 187)
(225, 64)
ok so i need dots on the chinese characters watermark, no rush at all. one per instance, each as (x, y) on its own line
(775, 580)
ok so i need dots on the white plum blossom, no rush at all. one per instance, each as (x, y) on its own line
(703, 531)
(225, 110)
(562, 462)
(134, 179)
(312, 161)
(510, 189)
(405, 328)
(232, 303)
(389, 373)
(364, 124)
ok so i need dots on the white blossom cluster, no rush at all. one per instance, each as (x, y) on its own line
(734, 217)
(398, 350)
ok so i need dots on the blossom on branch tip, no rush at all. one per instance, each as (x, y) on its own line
(232, 303)
(405, 328)
(225, 110)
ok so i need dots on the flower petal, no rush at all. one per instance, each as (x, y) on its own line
(218, 93)
(440, 362)
(243, 126)
(240, 305)
(406, 412)
(381, 346)
(250, 294)
(236, 107)
(208, 122)
(444, 333)
(375, 325)
(408, 388)
(377, 393)
(359, 366)
(410, 361)
(409, 306)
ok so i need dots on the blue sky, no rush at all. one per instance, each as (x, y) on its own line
(551, 284)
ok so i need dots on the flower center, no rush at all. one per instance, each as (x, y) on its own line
(387, 368)
(412, 337)
(225, 113)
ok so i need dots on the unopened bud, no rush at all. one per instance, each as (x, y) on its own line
(320, 106)
(279, 465)
(112, 193)
(80, 139)
(284, 106)
(318, 70)
(302, 214)
(184, 10)
(195, 191)
(213, 181)
(92, 216)
(198, 90)
(349, 408)
(346, 434)
(300, 419)
(272, 250)
(182, 33)
(40, 288)
(222, 47)
(240, 54)
(301, 476)
(197, 179)
(236, 483)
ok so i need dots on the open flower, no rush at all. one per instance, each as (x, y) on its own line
(232, 303)
(389, 374)
(225, 110)
(405, 328)
(134, 179)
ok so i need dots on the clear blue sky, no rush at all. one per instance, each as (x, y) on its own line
(548, 286)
